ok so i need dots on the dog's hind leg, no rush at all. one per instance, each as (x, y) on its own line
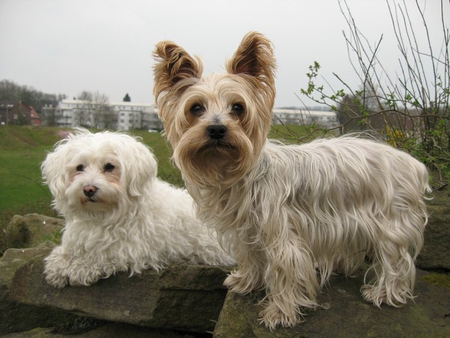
(395, 274)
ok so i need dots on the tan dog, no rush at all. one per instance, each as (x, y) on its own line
(287, 210)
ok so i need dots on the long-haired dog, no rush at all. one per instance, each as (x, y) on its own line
(286, 211)
(119, 215)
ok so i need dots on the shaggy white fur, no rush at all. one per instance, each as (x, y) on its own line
(288, 211)
(119, 215)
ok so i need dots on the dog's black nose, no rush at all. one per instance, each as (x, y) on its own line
(89, 190)
(216, 131)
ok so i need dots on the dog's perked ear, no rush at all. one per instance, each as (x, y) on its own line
(255, 60)
(174, 69)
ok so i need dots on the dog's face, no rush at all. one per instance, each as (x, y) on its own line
(217, 125)
(94, 180)
(92, 173)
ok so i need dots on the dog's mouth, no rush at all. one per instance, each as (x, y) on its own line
(216, 149)
(87, 200)
(221, 143)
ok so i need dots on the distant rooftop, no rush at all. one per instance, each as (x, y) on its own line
(119, 103)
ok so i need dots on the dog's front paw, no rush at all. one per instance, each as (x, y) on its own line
(84, 278)
(272, 316)
(86, 282)
(57, 266)
(242, 283)
(56, 280)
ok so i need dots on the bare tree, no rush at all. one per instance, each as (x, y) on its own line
(96, 112)
(85, 96)
(13, 93)
(412, 107)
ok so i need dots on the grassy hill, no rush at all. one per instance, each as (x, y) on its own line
(23, 149)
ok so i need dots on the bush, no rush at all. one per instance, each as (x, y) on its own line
(411, 110)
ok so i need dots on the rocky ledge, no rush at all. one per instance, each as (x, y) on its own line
(178, 299)
(344, 313)
(185, 301)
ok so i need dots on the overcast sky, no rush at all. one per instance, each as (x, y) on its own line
(68, 46)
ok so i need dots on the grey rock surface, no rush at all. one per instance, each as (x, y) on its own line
(186, 298)
(346, 314)
(32, 229)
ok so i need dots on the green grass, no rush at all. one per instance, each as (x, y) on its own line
(23, 149)
(291, 134)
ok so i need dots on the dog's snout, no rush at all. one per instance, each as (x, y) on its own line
(89, 190)
(216, 131)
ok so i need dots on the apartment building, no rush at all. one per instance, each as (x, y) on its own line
(130, 115)
(326, 119)
(114, 115)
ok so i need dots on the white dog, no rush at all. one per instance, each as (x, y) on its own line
(119, 215)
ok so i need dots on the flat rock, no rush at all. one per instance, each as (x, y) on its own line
(187, 298)
(16, 317)
(436, 249)
(346, 314)
(110, 330)
(32, 229)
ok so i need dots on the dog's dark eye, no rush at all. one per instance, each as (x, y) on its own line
(237, 109)
(197, 109)
(108, 167)
(80, 167)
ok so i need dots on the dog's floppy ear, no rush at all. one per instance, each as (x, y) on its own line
(54, 172)
(139, 165)
(254, 59)
(174, 69)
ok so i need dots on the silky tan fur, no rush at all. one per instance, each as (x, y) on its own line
(134, 222)
(290, 214)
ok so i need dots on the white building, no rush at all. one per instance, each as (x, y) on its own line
(130, 115)
(115, 115)
(326, 119)
(136, 116)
